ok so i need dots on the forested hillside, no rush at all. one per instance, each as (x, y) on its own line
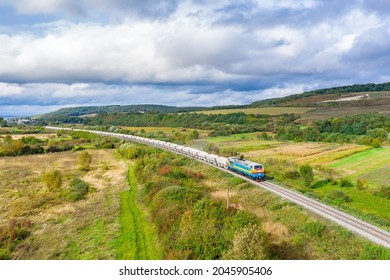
(91, 110)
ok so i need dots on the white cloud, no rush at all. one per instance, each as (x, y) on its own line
(53, 95)
(203, 53)
(177, 50)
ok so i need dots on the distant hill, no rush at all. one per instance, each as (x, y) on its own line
(93, 110)
(329, 94)
(328, 102)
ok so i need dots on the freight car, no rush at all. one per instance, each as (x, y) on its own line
(247, 168)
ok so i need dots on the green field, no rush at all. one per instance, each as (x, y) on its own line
(331, 162)
(263, 111)
(371, 165)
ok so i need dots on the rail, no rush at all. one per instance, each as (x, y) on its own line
(350, 222)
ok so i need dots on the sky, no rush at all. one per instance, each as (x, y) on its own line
(62, 53)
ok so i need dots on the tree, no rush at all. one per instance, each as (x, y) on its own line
(84, 160)
(3, 122)
(264, 136)
(306, 172)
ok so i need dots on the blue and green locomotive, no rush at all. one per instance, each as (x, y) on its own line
(247, 168)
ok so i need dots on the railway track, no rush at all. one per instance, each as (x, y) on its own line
(350, 222)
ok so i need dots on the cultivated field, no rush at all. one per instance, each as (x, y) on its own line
(263, 111)
(365, 168)
(305, 153)
(371, 165)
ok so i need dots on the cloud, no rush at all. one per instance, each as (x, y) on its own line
(187, 52)
(26, 99)
(180, 50)
(369, 54)
(381, 7)
(93, 8)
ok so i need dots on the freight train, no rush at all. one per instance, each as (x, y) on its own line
(247, 168)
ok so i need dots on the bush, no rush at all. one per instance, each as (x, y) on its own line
(361, 184)
(78, 189)
(177, 173)
(338, 196)
(376, 143)
(306, 172)
(52, 180)
(292, 174)
(84, 160)
(249, 243)
(383, 191)
(346, 183)
(16, 231)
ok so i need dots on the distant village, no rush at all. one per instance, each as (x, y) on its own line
(18, 120)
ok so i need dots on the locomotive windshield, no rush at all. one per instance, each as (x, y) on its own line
(258, 167)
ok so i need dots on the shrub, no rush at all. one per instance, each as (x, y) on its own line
(346, 183)
(383, 191)
(306, 172)
(361, 184)
(177, 173)
(78, 189)
(292, 174)
(315, 229)
(249, 243)
(52, 180)
(31, 140)
(84, 160)
(338, 196)
(376, 143)
(16, 231)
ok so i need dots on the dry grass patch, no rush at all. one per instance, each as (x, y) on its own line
(276, 231)
(36, 135)
(306, 153)
(85, 229)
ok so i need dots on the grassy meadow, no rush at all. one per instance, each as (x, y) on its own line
(145, 203)
(46, 223)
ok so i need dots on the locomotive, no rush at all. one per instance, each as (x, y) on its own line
(247, 168)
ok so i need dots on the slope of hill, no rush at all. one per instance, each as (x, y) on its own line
(92, 110)
(314, 97)
(321, 104)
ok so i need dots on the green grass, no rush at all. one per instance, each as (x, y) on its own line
(235, 137)
(362, 202)
(137, 239)
(372, 165)
(262, 111)
(242, 142)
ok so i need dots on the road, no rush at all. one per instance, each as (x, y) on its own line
(350, 222)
